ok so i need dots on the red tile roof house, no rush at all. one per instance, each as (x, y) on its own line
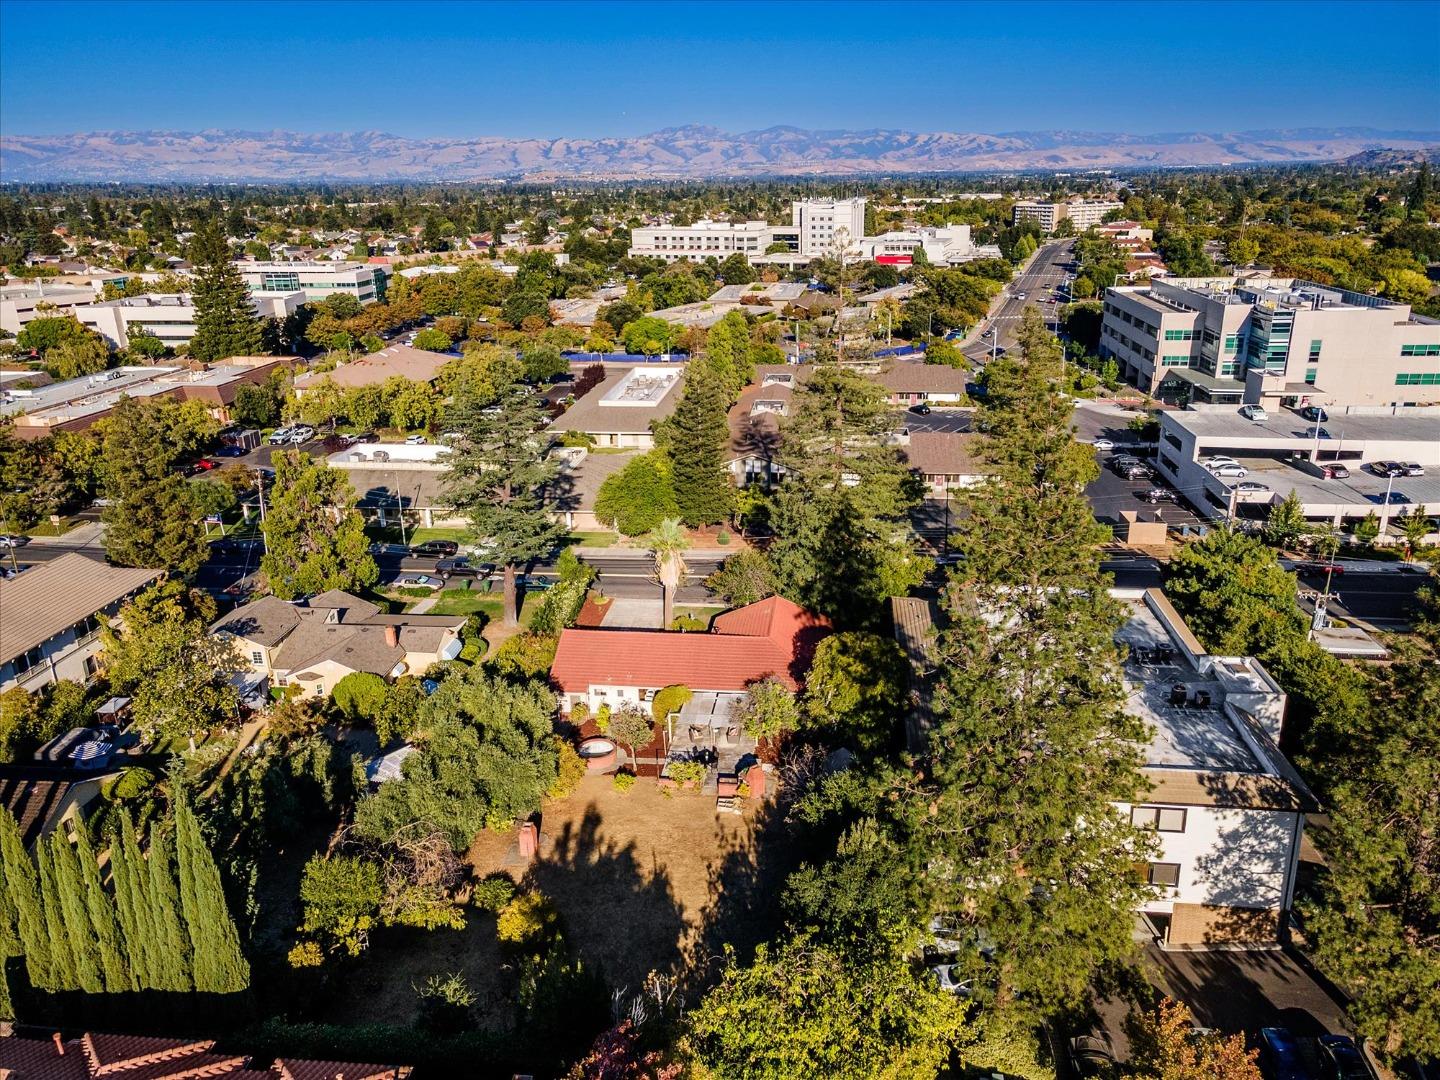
(773, 637)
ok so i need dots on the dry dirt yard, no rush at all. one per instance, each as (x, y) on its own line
(647, 882)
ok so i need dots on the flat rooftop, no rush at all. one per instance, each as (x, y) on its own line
(1361, 492)
(74, 390)
(1286, 429)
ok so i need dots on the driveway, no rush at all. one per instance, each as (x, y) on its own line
(633, 614)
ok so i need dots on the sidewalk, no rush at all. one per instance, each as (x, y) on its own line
(86, 534)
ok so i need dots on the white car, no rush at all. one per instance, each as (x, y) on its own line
(301, 434)
(1254, 412)
(1103, 444)
(280, 435)
(8, 542)
(945, 975)
(1230, 469)
(420, 581)
(1217, 459)
(1252, 487)
(415, 440)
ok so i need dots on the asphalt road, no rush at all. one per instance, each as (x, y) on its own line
(938, 420)
(1045, 271)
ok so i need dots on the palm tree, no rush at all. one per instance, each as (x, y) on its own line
(1414, 526)
(667, 543)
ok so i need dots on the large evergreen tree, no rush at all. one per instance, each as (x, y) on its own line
(729, 353)
(21, 904)
(842, 535)
(172, 944)
(219, 965)
(225, 320)
(499, 469)
(117, 972)
(62, 972)
(314, 536)
(696, 437)
(132, 903)
(1031, 744)
(79, 934)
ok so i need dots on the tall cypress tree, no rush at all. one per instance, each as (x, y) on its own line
(64, 971)
(167, 928)
(696, 438)
(116, 971)
(23, 931)
(132, 904)
(225, 319)
(219, 965)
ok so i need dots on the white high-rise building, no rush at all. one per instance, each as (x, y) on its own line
(816, 227)
(828, 225)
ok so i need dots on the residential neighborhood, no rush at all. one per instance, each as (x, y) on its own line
(742, 600)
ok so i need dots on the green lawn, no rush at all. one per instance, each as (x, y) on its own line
(703, 612)
(44, 528)
(471, 602)
(391, 534)
(593, 539)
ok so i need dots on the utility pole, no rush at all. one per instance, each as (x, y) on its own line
(260, 490)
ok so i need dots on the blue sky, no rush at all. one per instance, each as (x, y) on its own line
(596, 69)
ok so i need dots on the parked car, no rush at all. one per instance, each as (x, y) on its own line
(1252, 487)
(1397, 499)
(444, 549)
(280, 435)
(1211, 460)
(1254, 412)
(1314, 412)
(231, 451)
(461, 566)
(1159, 495)
(415, 440)
(420, 581)
(10, 540)
(921, 409)
(364, 437)
(532, 583)
(1319, 569)
(1103, 444)
(1120, 463)
(1342, 1059)
(1137, 472)
(1334, 472)
(1413, 468)
(301, 434)
(945, 975)
(1316, 432)
(1280, 1057)
(1091, 1056)
(1230, 470)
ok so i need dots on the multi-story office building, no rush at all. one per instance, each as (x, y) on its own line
(170, 317)
(816, 229)
(317, 280)
(1270, 341)
(944, 246)
(19, 304)
(1082, 213)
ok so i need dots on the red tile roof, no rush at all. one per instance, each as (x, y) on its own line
(772, 637)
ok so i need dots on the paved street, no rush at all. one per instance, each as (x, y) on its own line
(1046, 271)
(952, 420)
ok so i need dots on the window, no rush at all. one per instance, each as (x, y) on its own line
(1310, 375)
(1175, 361)
(1315, 351)
(1173, 441)
(1232, 342)
(1418, 379)
(257, 657)
(1166, 874)
(1420, 350)
(1179, 335)
(1159, 818)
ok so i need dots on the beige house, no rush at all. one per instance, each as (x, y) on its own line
(314, 644)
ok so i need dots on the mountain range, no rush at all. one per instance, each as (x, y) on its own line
(691, 152)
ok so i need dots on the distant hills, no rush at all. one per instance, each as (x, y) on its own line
(675, 153)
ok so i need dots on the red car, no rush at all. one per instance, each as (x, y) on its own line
(1319, 569)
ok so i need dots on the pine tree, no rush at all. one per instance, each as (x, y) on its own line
(729, 353)
(1032, 745)
(172, 945)
(132, 904)
(219, 965)
(74, 916)
(225, 320)
(99, 905)
(696, 439)
(314, 537)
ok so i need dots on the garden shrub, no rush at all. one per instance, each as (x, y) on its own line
(669, 700)
(527, 917)
(572, 770)
(360, 695)
(623, 781)
(579, 713)
(524, 656)
(561, 606)
(687, 772)
(602, 719)
(687, 622)
(493, 893)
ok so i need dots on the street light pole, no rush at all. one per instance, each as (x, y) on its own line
(1385, 517)
(260, 491)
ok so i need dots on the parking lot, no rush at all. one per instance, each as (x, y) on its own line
(1111, 494)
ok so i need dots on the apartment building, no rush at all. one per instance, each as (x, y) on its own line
(1081, 213)
(52, 615)
(19, 304)
(317, 280)
(1227, 809)
(814, 227)
(170, 317)
(1270, 341)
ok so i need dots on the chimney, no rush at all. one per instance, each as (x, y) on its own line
(59, 1043)
(392, 636)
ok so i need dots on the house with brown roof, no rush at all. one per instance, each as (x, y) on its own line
(91, 1056)
(622, 409)
(314, 644)
(50, 618)
(914, 383)
(945, 459)
(417, 365)
(1227, 807)
(43, 798)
